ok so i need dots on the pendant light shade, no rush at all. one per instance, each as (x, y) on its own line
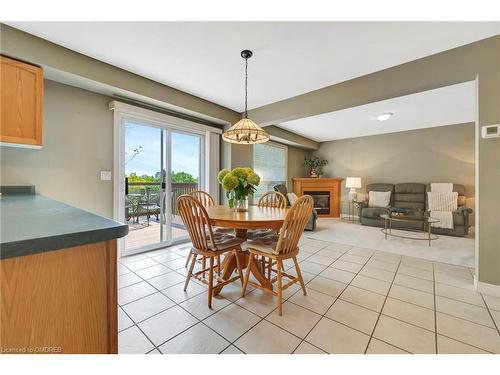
(246, 131)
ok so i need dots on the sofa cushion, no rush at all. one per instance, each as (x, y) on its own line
(373, 212)
(409, 188)
(460, 189)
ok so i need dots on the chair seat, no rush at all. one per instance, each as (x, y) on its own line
(226, 241)
(255, 234)
(265, 244)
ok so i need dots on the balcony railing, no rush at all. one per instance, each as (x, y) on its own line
(143, 198)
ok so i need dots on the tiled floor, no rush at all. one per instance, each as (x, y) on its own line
(358, 301)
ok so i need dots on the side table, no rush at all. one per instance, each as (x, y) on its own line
(349, 211)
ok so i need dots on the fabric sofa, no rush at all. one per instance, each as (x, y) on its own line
(311, 223)
(413, 197)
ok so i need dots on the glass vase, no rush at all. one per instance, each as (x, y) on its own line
(241, 205)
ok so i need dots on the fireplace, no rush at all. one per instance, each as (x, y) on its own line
(325, 192)
(321, 201)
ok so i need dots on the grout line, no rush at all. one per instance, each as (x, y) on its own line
(491, 315)
(285, 300)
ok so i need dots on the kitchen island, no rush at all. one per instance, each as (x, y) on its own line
(58, 277)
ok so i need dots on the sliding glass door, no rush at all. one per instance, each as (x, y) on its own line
(159, 164)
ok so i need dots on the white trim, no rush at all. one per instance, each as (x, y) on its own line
(125, 112)
(476, 184)
(21, 145)
(489, 289)
(152, 116)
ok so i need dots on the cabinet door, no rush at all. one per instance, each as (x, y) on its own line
(21, 101)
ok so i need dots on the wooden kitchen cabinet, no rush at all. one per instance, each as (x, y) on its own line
(21, 103)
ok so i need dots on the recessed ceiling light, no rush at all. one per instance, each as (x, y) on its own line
(384, 116)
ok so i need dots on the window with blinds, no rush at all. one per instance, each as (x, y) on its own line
(270, 163)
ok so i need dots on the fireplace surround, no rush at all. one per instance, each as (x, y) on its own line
(325, 193)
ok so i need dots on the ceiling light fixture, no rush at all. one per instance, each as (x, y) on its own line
(384, 116)
(246, 131)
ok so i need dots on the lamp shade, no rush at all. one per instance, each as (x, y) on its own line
(353, 182)
(247, 132)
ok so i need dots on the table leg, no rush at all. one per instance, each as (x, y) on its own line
(385, 228)
(429, 234)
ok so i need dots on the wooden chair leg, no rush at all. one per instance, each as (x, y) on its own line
(188, 259)
(247, 276)
(218, 265)
(190, 271)
(211, 282)
(299, 275)
(238, 266)
(280, 288)
(204, 265)
(269, 268)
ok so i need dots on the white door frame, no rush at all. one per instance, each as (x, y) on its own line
(124, 112)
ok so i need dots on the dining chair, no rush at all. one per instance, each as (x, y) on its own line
(206, 200)
(206, 244)
(278, 248)
(272, 199)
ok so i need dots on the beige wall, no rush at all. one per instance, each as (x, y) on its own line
(78, 144)
(441, 154)
(296, 168)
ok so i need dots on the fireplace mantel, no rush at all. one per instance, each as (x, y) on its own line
(330, 185)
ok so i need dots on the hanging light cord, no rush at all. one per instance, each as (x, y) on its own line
(246, 87)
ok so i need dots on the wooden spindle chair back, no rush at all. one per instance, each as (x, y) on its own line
(295, 221)
(272, 199)
(197, 223)
(205, 198)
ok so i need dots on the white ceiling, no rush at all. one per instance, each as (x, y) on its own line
(290, 58)
(444, 106)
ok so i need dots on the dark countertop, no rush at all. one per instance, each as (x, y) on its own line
(33, 224)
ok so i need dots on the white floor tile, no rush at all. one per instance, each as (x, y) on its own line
(295, 319)
(387, 266)
(141, 264)
(347, 266)
(334, 337)
(470, 333)
(232, 350)
(198, 305)
(373, 285)
(132, 341)
(232, 321)
(492, 302)
(166, 280)
(454, 281)
(416, 272)
(258, 302)
(266, 338)
(414, 283)
(464, 295)
(147, 306)
(464, 310)
(379, 347)
(327, 286)
(365, 298)
(412, 296)
(128, 279)
(320, 259)
(153, 271)
(338, 275)
(413, 314)
(198, 339)
(353, 316)
(177, 294)
(446, 345)
(306, 348)
(405, 336)
(134, 292)
(315, 301)
(167, 324)
(123, 320)
(377, 273)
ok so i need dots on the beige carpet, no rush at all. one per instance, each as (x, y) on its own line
(446, 249)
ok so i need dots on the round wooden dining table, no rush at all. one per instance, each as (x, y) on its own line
(254, 218)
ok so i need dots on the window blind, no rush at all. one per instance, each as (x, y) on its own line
(270, 163)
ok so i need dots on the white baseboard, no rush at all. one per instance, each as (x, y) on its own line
(485, 288)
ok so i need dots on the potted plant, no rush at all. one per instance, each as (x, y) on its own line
(315, 165)
(238, 184)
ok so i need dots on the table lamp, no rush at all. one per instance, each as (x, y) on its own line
(353, 183)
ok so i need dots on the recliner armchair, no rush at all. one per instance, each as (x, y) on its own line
(311, 223)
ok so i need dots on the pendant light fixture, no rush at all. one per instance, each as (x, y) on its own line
(245, 131)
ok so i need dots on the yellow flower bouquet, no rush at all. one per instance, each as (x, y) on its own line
(238, 184)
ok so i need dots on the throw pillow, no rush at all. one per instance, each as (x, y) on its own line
(379, 198)
(292, 197)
